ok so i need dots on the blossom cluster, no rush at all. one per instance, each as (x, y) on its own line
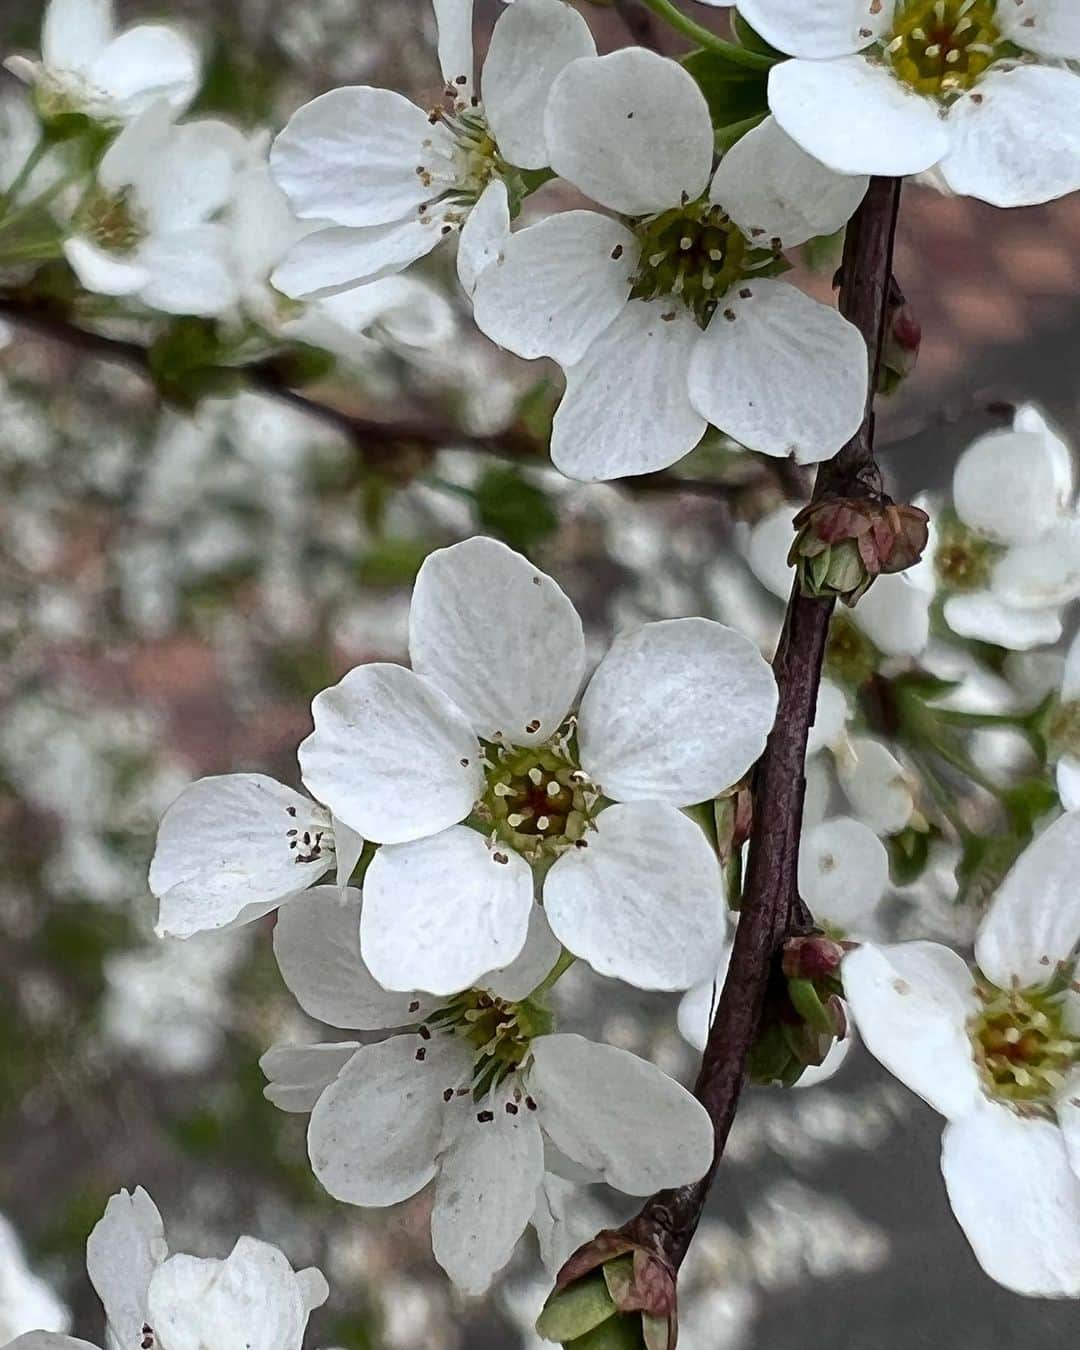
(473, 824)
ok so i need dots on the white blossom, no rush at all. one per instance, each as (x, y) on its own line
(26, 1301)
(996, 1049)
(233, 847)
(477, 1094)
(480, 733)
(671, 315)
(87, 67)
(388, 181)
(155, 1301)
(148, 230)
(899, 87)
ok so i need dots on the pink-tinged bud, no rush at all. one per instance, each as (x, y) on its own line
(903, 336)
(811, 958)
(843, 543)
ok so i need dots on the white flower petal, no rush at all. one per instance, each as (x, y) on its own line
(834, 1061)
(772, 189)
(643, 901)
(188, 272)
(1042, 574)
(327, 261)
(454, 20)
(698, 1005)
(1068, 782)
(47, 1340)
(348, 846)
(830, 717)
(843, 873)
(1016, 138)
(391, 755)
(875, 784)
(856, 117)
(767, 550)
(530, 45)
(124, 1249)
(780, 372)
(101, 272)
(499, 637)
(374, 1133)
(1028, 417)
(627, 409)
(191, 179)
(1008, 486)
(895, 615)
(631, 130)
(486, 1189)
(483, 234)
(441, 912)
(911, 1003)
(825, 28)
(566, 1215)
(224, 852)
(252, 1298)
(298, 1075)
(1068, 1114)
(1070, 675)
(557, 285)
(980, 614)
(1049, 27)
(535, 960)
(619, 1115)
(1017, 1199)
(152, 61)
(74, 32)
(1034, 919)
(317, 945)
(350, 156)
(676, 711)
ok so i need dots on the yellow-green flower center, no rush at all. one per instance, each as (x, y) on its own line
(695, 254)
(477, 162)
(537, 799)
(850, 656)
(962, 560)
(1022, 1047)
(111, 222)
(942, 47)
(498, 1032)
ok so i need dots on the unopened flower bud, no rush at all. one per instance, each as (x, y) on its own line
(815, 957)
(618, 1283)
(843, 543)
(903, 335)
(734, 813)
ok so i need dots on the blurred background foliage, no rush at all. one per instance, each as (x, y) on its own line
(174, 588)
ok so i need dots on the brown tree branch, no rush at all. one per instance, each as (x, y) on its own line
(397, 448)
(771, 907)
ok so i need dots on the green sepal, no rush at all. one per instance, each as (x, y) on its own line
(623, 1332)
(573, 1312)
(808, 1005)
(751, 39)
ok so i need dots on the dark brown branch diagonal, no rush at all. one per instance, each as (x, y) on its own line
(771, 908)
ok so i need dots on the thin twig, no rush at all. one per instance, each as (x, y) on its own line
(771, 908)
(397, 448)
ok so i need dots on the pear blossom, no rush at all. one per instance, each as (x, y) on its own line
(87, 67)
(233, 847)
(669, 315)
(843, 876)
(252, 1297)
(996, 1050)
(1008, 561)
(149, 229)
(979, 91)
(388, 181)
(476, 1093)
(480, 785)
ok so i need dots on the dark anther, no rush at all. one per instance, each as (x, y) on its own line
(290, 810)
(448, 1095)
(421, 1054)
(485, 1116)
(511, 1109)
(424, 1034)
(530, 1103)
(617, 251)
(414, 1005)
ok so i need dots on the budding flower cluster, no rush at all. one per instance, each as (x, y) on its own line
(803, 1013)
(843, 543)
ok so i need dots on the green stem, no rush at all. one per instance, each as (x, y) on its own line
(943, 798)
(558, 970)
(958, 757)
(738, 56)
(20, 180)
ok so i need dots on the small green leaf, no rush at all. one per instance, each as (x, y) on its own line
(734, 93)
(620, 1333)
(393, 562)
(909, 852)
(511, 506)
(576, 1310)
